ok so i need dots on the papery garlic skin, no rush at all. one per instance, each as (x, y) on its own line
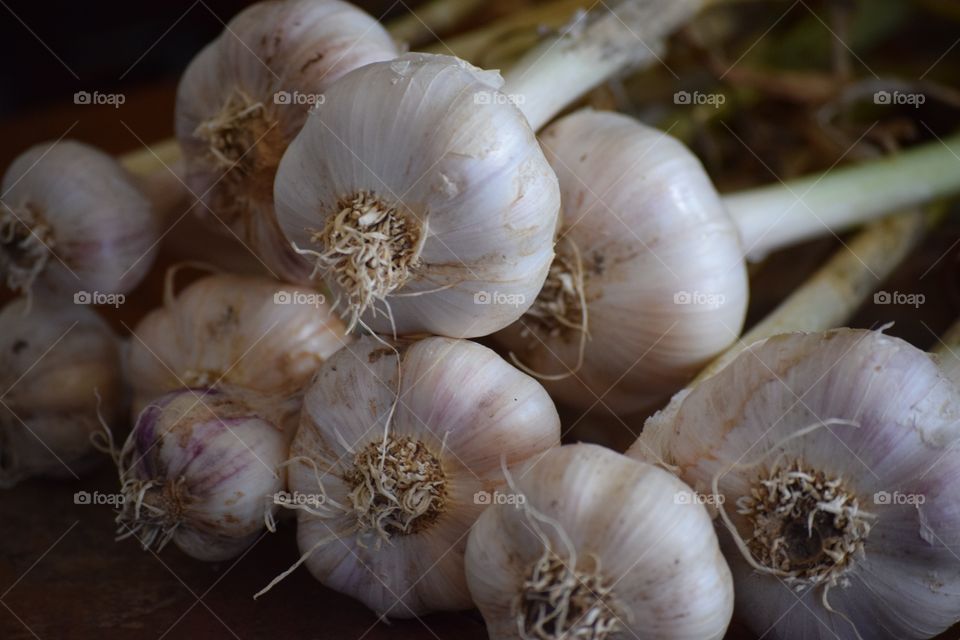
(243, 331)
(468, 410)
(901, 440)
(55, 360)
(72, 219)
(663, 272)
(428, 141)
(246, 95)
(200, 469)
(640, 538)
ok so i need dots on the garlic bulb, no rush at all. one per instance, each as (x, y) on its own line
(631, 240)
(201, 468)
(419, 193)
(835, 458)
(598, 546)
(649, 283)
(56, 359)
(247, 332)
(73, 220)
(396, 457)
(246, 95)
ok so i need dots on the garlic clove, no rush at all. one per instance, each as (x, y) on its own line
(466, 200)
(244, 331)
(876, 418)
(629, 552)
(246, 95)
(662, 268)
(461, 409)
(72, 219)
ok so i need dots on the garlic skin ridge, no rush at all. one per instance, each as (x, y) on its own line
(663, 271)
(56, 359)
(243, 331)
(428, 144)
(201, 468)
(246, 95)
(643, 549)
(465, 409)
(91, 228)
(903, 582)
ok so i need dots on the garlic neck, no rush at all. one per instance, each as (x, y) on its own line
(26, 242)
(559, 601)
(370, 248)
(399, 487)
(806, 526)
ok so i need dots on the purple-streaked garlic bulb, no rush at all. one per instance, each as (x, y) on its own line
(243, 331)
(246, 95)
(201, 469)
(832, 459)
(73, 220)
(54, 361)
(396, 457)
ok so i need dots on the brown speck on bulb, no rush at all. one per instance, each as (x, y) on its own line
(25, 244)
(560, 601)
(807, 525)
(399, 487)
(371, 248)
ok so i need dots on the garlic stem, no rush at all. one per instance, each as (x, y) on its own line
(473, 44)
(160, 172)
(833, 294)
(423, 24)
(774, 216)
(590, 51)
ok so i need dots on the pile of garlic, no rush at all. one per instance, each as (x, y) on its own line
(404, 204)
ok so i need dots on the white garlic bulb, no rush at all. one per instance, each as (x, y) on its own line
(393, 467)
(54, 360)
(597, 546)
(646, 245)
(73, 220)
(242, 331)
(246, 95)
(201, 468)
(835, 455)
(420, 194)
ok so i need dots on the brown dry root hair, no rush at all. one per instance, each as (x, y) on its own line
(26, 243)
(151, 510)
(560, 308)
(370, 249)
(805, 526)
(561, 598)
(243, 141)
